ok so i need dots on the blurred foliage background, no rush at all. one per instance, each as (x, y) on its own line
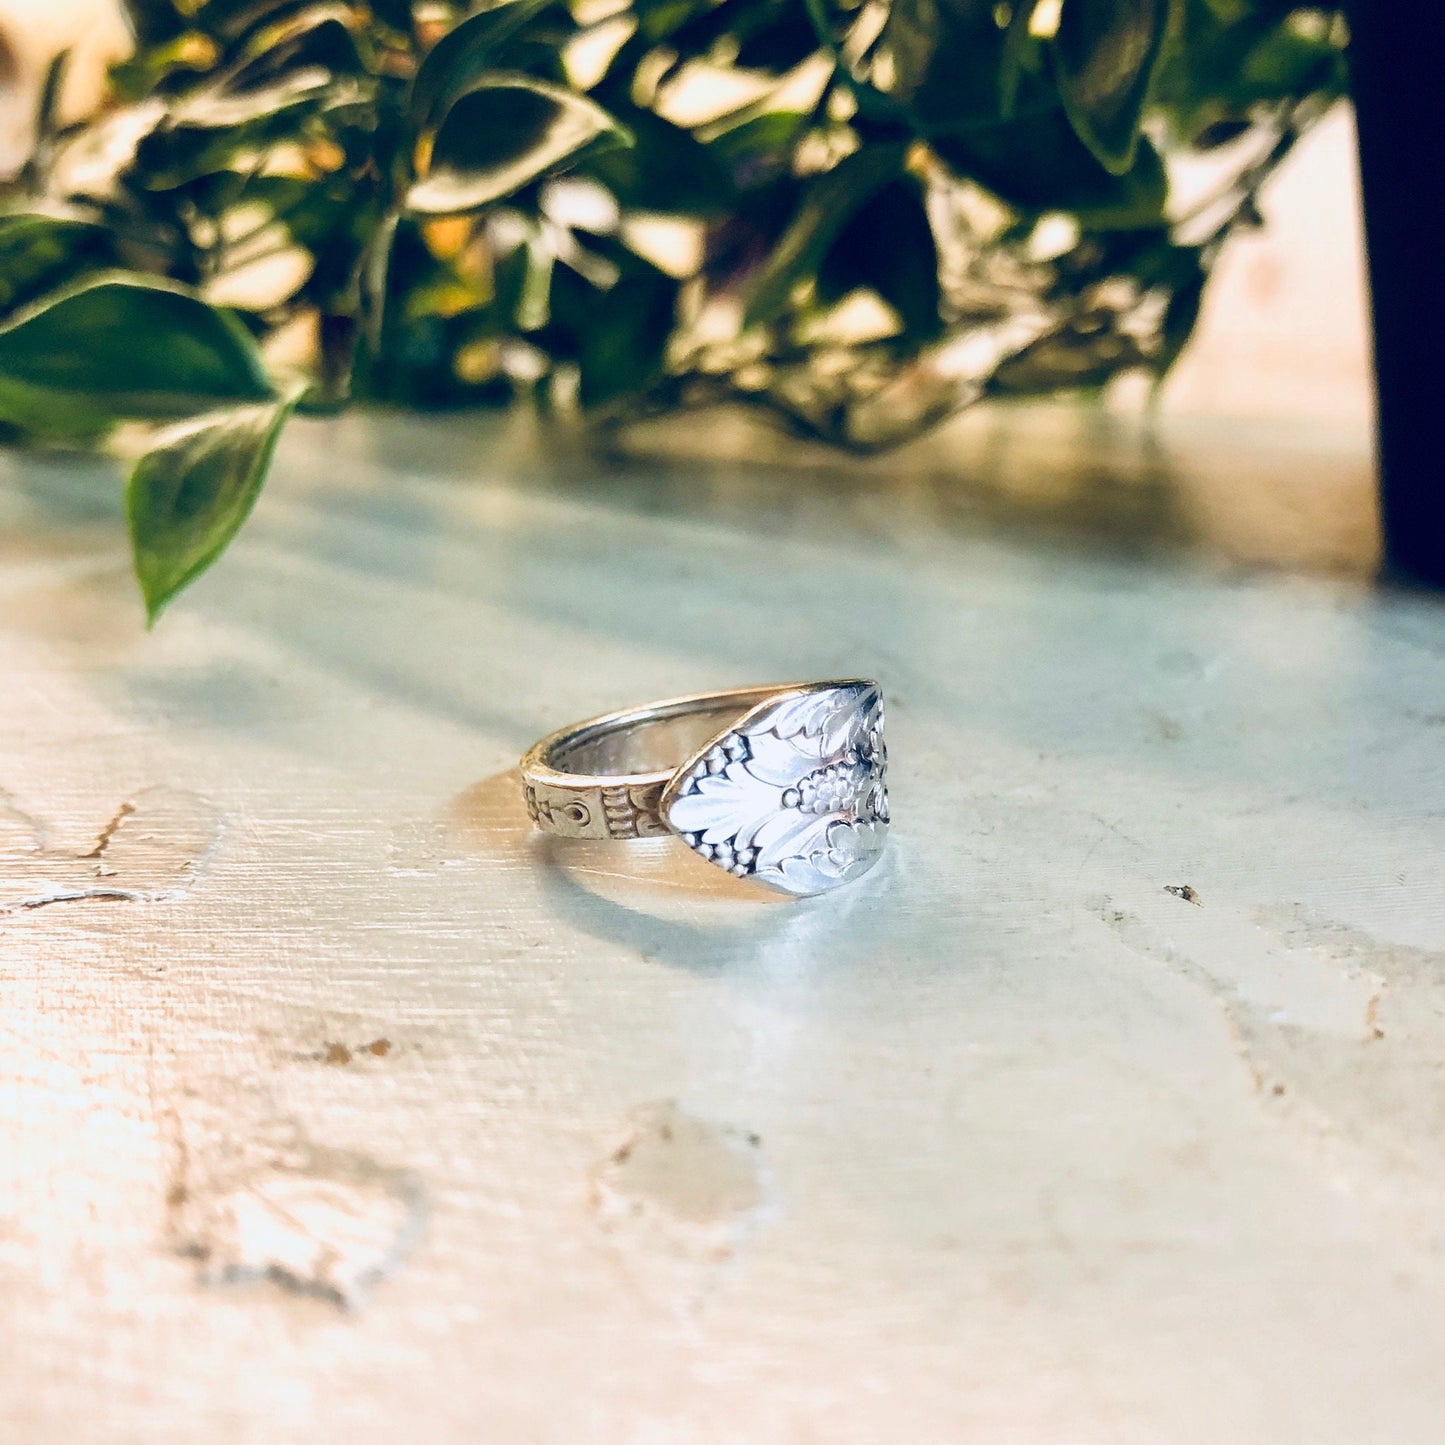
(861, 216)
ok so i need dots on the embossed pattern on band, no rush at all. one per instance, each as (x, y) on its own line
(586, 810)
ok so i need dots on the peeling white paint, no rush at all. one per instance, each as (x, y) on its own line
(1294, 985)
(152, 848)
(672, 1174)
(319, 1222)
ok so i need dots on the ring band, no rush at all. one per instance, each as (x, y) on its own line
(783, 784)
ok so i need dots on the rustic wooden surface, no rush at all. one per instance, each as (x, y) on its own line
(334, 1106)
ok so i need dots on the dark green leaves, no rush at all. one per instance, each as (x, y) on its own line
(888, 247)
(1182, 311)
(486, 133)
(1220, 67)
(828, 203)
(665, 169)
(406, 165)
(188, 495)
(39, 253)
(114, 349)
(216, 128)
(1040, 137)
(500, 135)
(947, 58)
(617, 337)
(140, 349)
(154, 21)
(1105, 54)
(1036, 163)
(1016, 43)
(462, 57)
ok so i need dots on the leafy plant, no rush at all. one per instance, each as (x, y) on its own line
(861, 214)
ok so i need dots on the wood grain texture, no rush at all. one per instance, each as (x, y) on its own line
(385, 1118)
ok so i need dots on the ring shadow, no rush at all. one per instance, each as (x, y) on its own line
(652, 895)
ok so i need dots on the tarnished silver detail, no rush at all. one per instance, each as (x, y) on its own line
(791, 792)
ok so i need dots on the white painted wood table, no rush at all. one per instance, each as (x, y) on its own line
(334, 1106)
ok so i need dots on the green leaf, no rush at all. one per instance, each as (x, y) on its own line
(39, 253)
(888, 247)
(113, 349)
(618, 336)
(827, 204)
(1105, 54)
(462, 57)
(661, 19)
(395, 13)
(1218, 69)
(759, 149)
(947, 58)
(1016, 44)
(666, 169)
(624, 342)
(1181, 314)
(502, 134)
(47, 112)
(153, 22)
(218, 107)
(1036, 163)
(373, 272)
(232, 21)
(189, 493)
(160, 68)
(1285, 64)
(213, 128)
(1227, 12)
(330, 36)
(769, 35)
